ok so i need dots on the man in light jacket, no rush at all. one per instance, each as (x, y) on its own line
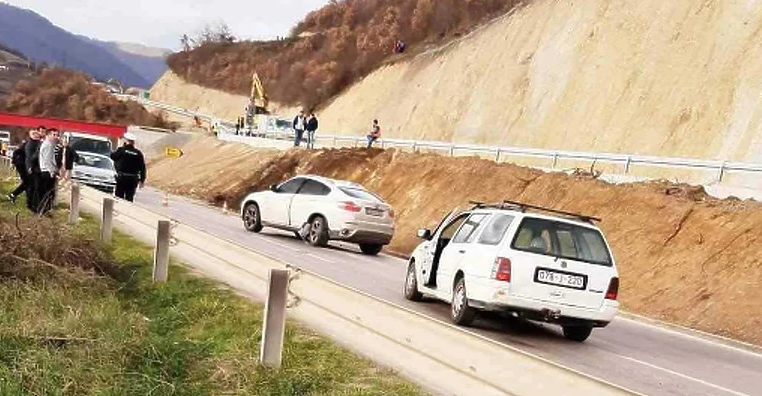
(48, 172)
(300, 122)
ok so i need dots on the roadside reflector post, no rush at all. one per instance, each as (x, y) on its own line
(555, 161)
(74, 204)
(161, 253)
(627, 165)
(107, 219)
(274, 327)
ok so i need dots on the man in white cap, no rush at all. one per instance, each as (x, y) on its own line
(130, 168)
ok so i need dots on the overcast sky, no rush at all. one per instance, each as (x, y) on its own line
(161, 22)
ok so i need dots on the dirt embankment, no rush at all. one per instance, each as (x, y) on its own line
(684, 257)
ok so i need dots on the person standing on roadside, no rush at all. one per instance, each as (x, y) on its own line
(130, 168)
(312, 127)
(32, 165)
(375, 133)
(300, 123)
(48, 173)
(19, 162)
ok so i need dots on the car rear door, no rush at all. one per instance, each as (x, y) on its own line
(312, 197)
(560, 262)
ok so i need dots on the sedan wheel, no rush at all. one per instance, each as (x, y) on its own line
(252, 220)
(318, 235)
(461, 312)
(411, 285)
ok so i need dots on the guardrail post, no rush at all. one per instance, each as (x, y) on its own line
(452, 150)
(555, 160)
(415, 145)
(74, 204)
(274, 327)
(721, 172)
(382, 144)
(161, 253)
(497, 156)
(627, 165)
(107, 219)
(334, 141)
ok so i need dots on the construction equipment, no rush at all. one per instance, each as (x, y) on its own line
(258, 103)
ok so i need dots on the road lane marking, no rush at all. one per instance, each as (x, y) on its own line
(320, 258)
(683, 376)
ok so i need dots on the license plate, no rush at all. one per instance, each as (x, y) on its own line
(558, 278)
(374, 212)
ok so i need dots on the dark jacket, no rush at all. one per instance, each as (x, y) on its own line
(19, 156)
(129, 162)
(312, 124)
(70, 158)
(32, 153)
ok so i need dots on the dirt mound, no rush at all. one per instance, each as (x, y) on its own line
(684, 257)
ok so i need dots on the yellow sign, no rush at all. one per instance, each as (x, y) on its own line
(173, 152)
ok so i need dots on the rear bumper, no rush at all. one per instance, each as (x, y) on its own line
(550, 312)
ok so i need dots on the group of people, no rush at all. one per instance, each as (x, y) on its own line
(303, 123)
(40, 161)
(45, 158)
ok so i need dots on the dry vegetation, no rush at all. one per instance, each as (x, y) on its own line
(61, 93)
(332, 47)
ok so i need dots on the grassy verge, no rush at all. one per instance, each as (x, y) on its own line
(78, 318)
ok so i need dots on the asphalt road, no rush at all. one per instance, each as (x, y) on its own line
(644, 358)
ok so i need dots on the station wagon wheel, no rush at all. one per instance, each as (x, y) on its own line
(318, 235)
(461, 312)
(411, 284)
(252, 220)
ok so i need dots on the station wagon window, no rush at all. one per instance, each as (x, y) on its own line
(562, 240)
(469, 228)
(451, 228)
(312, 187)
(291, 186)
(496, 229)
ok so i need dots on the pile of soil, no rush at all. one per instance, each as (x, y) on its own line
(683, 256)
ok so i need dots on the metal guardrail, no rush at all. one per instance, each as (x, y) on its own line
(499, 152)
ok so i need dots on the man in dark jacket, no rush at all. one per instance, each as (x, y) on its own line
(66, 157)
(19, 162)
(32, 166)
(130, 168)
(312, 127)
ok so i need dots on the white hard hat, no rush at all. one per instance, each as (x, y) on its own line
(130, 136)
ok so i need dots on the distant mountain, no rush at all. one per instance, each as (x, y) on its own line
(149, 62)
(41, 41)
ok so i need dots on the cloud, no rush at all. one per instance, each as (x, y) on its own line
(162, 22)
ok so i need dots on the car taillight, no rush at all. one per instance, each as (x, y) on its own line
(501, 270)
(350, 206)
(613, 292)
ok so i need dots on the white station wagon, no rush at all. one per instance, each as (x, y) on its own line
(509, 257)
(326, 209)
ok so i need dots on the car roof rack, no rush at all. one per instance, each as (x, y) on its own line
(522, 207)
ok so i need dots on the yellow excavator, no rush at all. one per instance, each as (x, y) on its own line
(257, 111)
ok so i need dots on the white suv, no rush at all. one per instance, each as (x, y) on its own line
(319, 209)
(509, 257)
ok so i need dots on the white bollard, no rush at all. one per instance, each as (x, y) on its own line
(161, 253)
(74, 204)
(271, 353)
(107, 219)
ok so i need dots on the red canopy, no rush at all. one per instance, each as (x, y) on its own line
(110, 130)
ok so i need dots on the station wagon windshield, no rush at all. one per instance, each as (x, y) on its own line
(562, 240)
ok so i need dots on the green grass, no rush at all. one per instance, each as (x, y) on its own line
(74, 332)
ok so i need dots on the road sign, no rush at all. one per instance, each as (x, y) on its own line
(173, 152)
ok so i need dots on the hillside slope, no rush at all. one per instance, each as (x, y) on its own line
(671, 78)
(42, 41)
(150, 63)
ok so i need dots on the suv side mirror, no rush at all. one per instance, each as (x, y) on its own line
(274, 188)
(424, 234)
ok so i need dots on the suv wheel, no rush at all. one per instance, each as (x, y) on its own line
(577, 333)
(461, 313)
(411, 284)
(318, 235)
(252, 220)
(371, 249)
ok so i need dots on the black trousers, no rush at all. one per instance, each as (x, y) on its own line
(126, 187)
(33, 183)
(24, 176)
(46, 193)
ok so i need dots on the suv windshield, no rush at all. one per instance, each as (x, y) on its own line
(562, 240)
(95, 162)
(83, 144)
